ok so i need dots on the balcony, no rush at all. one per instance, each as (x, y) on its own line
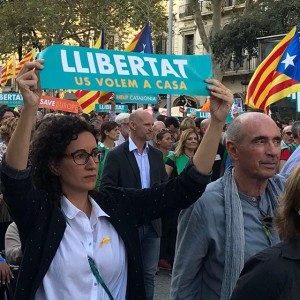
(229, 3)
(245, 66)
(185, 11)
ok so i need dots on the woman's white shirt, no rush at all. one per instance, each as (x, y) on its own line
(69, 275)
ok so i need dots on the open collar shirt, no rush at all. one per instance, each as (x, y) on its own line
(142, 162)
(69, 275)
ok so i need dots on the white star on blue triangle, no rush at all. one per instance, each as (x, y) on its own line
(289, 61)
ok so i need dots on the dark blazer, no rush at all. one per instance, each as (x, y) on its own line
(273, 274)
(121, 169)
(41, 223)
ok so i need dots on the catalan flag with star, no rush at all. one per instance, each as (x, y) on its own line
(28, 57)
(141, 43)
(8, 71)
(278, 75)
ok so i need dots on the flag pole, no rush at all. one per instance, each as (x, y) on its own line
(170, 28)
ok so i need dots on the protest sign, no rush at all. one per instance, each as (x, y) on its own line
(11, 99)
(16, 99)
(134, 98)
(80, 68)
(58, 104)
(107, 107)
(199, 114)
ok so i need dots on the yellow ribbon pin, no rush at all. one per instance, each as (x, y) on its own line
(105, 241)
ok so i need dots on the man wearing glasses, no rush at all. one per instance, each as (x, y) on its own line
(123, 121)
(287, 145)
(287, 137)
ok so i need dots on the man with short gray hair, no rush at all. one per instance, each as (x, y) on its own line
(123, 121)
(288, 144)
(296, 132)
(232, 220)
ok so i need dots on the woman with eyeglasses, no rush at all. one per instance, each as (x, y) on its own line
(78, 243)
(6, 113)
(109, 134)
(274, 273)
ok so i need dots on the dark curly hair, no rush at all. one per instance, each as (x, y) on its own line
(5, 109)
(49, 144)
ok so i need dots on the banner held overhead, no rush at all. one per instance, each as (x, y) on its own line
(69, 67)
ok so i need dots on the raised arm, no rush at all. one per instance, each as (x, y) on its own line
(18, 147)
(221, 100)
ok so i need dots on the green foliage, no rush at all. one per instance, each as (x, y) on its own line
(263, 18)
(36, 23)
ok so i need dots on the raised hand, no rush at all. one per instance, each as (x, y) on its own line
(221, 99)
(28, 82)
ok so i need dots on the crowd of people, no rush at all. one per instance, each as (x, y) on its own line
(92, 206)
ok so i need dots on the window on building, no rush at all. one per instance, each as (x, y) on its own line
(160, 45)
(228, 3)
(189, 44)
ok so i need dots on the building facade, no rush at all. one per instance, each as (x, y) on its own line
(187, 41)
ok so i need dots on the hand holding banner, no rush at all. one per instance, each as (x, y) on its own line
(68, 67)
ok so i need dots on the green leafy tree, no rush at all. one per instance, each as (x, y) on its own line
(264, 18)
(217, 9)
(38, 24)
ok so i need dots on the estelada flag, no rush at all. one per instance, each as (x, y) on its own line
(278, 75)
(142, 42)
(28, 57)
(8, 71)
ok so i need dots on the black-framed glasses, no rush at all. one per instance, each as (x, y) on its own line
(81, 157)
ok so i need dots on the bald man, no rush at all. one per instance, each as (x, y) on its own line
(157, 127)
(232, 221)
(136, 164)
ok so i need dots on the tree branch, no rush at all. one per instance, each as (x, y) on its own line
(200, 24)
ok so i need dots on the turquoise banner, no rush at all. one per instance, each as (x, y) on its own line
(79, 68)
(199, 114)
(134, 98)
(11, 99)
(106, 108)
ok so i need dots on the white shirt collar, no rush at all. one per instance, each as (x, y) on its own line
(70, 210)
(132, 145)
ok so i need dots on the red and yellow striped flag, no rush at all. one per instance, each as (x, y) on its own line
(88, 99)
(8, 71)
(278, 75)
(28, 57)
